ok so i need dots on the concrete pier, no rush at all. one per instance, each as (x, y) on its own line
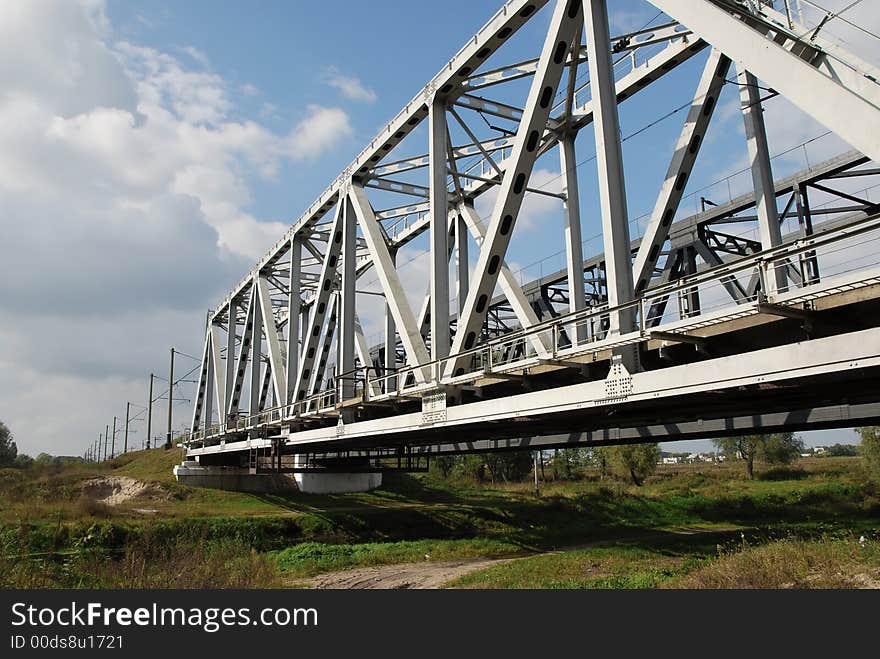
(239, 479)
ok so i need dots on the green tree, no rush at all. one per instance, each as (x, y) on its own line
(443, 465)
(8, 449)
(781, 448)
(871, 449)
(635, 461)
(775, 448)
(23, 461)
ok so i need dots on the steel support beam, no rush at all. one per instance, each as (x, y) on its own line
(438, 230)
(348, 303)
(679, 171)
(612, 190)
(762, 174)
(564, 25)
(294, 310)
(574, 249)
(413, 344)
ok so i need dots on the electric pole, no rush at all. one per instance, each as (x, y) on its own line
(170, 399)
(113, 440)
(106, 437)
(150, 412)
(127, 409)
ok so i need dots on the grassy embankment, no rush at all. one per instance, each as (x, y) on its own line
(51, 536)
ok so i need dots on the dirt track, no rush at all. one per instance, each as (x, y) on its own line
(405, 575)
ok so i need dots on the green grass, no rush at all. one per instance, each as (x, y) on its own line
(45, 525)
(310, 558)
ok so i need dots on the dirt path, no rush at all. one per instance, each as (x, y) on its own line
(437, 574)
(402, 575)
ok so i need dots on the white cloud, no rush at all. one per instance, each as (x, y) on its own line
(350, 86)
(124, 189)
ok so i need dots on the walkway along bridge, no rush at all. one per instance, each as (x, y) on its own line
(758, 314)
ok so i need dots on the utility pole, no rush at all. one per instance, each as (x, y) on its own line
(127, 410)
(150, 412)
(170, 399)
(113, 440)
(106, 436)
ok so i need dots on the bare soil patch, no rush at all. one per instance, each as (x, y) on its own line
(115, 490)
(405, 575)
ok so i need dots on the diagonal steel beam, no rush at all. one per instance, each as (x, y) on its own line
(524, 312)
(273, 342)
(679, 171)
(242, 358)
(413, 344)
(318, 315)
(564, 25)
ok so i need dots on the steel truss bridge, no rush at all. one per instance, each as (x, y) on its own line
(757, 314)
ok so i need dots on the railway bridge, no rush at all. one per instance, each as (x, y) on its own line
(755, 314)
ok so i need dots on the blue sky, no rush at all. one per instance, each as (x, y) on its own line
(151, 150)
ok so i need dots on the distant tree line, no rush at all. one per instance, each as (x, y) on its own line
(10, 457)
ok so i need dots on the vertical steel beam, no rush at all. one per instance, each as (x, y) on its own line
(574, 249)
(609, 161)
(209, 384)
(564, 25)
(762, 175)
(390, 362)
(438, 144)
(680, 167)
(462, 265)
(294, 308)
(348, 302)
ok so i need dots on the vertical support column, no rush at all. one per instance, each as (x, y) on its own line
(256, 387)
(348, 301)
(574, 250)
(609, 161)
(462, 265)
(762, 174)
(689, 298)
(390, 364)
(231, 325)
(439, 231)
(294, 314)
(113, 440)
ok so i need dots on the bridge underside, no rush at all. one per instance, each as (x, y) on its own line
(757, 314)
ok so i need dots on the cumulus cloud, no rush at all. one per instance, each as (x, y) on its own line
(124, 189)
(350, 86)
